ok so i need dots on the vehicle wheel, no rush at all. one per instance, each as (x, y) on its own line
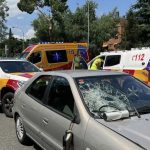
(20, 131)
(7, 104)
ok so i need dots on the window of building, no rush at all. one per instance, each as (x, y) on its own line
(38, 87)
(56, 56)
(35, 57)
(112, 60)
(60, 97)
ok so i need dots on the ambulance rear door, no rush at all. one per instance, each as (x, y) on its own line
(136, 59)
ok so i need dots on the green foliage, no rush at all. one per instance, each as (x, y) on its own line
(76, 24)
(138, 28)
(104, 28)
(132, 30)
(14, 46)
(57, 8)
(30, 5)
(142, 12)
(63, 25)
(41, 27)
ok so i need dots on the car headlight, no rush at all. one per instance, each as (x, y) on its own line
(21, 83)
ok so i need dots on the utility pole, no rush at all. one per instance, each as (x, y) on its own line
(88, 15)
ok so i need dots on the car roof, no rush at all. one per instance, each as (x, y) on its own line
(83, 73)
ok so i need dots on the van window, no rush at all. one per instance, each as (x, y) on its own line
(112, 60)
(35, 57)
(56, 56)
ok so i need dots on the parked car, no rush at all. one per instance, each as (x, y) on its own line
(13, 74)
(78, 110)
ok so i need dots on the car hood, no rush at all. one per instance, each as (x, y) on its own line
(135, 129)
(20, 76)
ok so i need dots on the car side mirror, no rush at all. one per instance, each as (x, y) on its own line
(41, 69)
(68, 140)
(68, 137)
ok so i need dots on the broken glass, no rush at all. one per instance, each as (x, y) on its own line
(96, 94)
(122, 92)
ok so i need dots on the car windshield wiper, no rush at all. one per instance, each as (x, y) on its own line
(136, 112)
(96, 114)
(134, 109)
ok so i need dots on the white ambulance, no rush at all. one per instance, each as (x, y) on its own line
(135, 62)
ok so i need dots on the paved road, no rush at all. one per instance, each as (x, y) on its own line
(8, 139)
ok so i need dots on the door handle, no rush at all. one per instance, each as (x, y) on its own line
(23, 106)
(45, 121)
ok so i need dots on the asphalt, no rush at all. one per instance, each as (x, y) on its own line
(8, 139)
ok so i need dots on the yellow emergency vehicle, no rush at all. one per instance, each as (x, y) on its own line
(55, 56)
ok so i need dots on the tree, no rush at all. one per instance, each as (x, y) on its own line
(73, 26)
(67, 26)
(142, 12)
(138, 29)
(41, 28)
(57, 9)
(76, 24)
(3, 15)
(132, 32)
(10, 44)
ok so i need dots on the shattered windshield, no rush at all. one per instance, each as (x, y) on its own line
(114, 93)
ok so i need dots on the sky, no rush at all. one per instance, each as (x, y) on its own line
(20, 22)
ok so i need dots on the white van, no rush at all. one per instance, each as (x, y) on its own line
(135, 62)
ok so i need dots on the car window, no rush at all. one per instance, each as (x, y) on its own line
(38, 87)
(35, 57)
(56, 56)
(112, 60)
(60, 97)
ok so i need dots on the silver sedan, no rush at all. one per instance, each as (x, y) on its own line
(83, 110)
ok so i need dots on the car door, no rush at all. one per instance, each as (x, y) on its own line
(32, 103)
(57, 116)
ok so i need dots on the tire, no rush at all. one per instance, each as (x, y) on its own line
(7, 104)
(20, 131)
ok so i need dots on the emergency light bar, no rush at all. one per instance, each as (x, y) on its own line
(50, 42)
